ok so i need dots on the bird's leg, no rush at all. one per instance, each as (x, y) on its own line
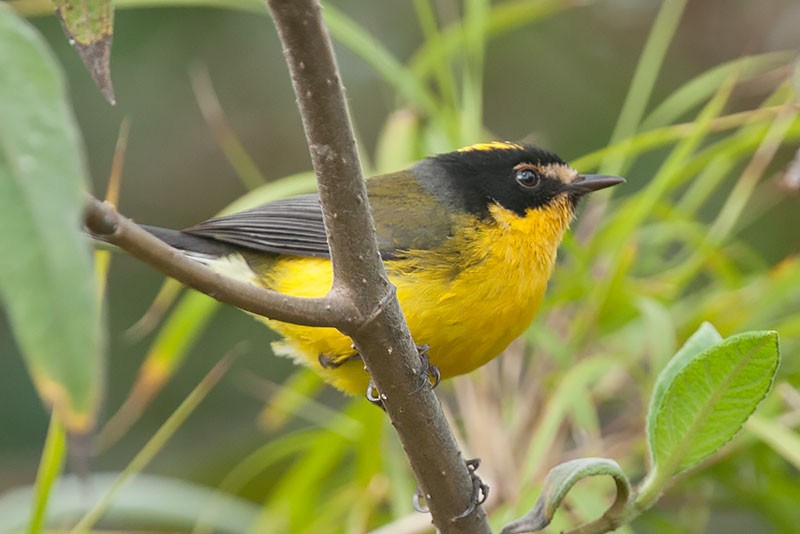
(480, 490)
(327, 362)
(374, 396)
(432, 374)
(419, 502)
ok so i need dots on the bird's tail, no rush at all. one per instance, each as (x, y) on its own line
(221, 257)
(202, 249)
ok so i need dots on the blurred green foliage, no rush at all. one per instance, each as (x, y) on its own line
(705, 231)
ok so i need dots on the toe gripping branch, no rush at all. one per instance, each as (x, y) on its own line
(480, 492)
(432, 377)
(432, 374)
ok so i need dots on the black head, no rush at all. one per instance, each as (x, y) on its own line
(515, 176)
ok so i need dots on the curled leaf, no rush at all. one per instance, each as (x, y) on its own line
(559, 481)
(705, 336)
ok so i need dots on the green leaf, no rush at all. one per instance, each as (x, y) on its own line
(156, 443)
(696, 90)
(658, 329)
(704, 399)
(574, 382)
(705, 337)
(559, 481)
(89, 24)
(46, 281)
(654, 139)
(644, 78)
(398, 142)
(783, 439)
(375, 54)
(50, 467)
(183, 326)
(294, 184)
(140, 505)
(504, 17)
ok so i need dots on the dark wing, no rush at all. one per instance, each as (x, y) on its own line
(290, 226)
(406, 217)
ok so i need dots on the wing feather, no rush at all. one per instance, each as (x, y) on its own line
(291, 226)
(406, 216)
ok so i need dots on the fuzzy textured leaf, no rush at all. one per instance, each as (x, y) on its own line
(559, 481)
(706, 402)
(46, 282)
(705, 337)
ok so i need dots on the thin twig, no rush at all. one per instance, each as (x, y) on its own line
(103, 221)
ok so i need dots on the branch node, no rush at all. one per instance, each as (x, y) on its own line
(377, 310)
(101, 218)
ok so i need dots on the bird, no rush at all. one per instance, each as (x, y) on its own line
(469, 238)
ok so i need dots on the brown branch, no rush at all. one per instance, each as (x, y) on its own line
(383, 340)
(102, 220)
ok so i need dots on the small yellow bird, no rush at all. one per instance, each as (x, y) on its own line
(469, 238)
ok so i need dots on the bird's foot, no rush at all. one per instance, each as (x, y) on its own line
(326, 362)
(480, 490)
(432, 374)
(374, 396)
(419, 501)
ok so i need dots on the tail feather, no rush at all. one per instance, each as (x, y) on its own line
(196, 247)
(221, 257)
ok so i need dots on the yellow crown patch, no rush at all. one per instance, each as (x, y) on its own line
(493, 145)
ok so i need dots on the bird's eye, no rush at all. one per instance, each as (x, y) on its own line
(527, 178)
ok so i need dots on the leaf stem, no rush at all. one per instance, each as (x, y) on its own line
(50, 467)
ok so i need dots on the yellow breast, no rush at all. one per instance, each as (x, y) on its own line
(467, 300)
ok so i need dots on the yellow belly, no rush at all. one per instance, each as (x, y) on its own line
(467, 300)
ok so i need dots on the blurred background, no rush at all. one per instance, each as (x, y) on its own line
(559, 82)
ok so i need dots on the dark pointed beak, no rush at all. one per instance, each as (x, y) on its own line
(586, 183)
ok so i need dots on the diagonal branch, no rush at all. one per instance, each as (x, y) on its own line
(383, 340)
(103, 221)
